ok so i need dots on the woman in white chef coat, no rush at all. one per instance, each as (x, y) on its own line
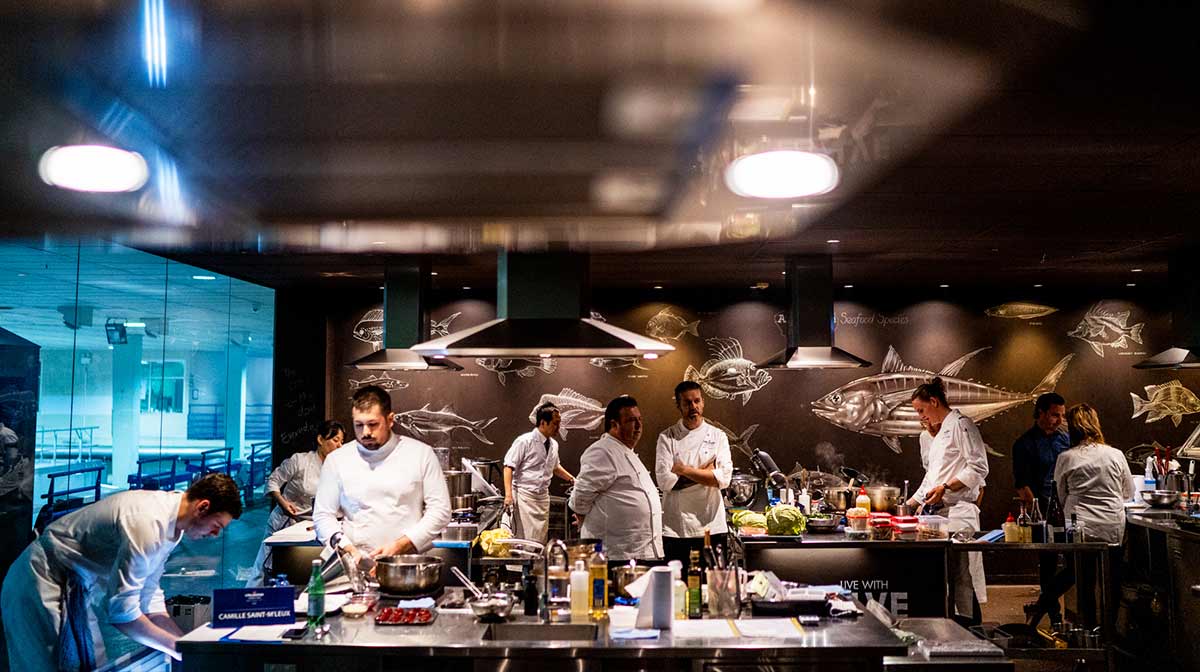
(117, 546)
(1093, 483)
(957, 469)
(292, 487)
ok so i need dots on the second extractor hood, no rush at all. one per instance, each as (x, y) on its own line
(404, 322)
(810, 319)
(1184, 282)
(540, 301)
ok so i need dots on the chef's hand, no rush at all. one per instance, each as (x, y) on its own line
(935, 495)
(508, 501)
(400, 546)
(578, 520)
(291, 509)
(1025, 495)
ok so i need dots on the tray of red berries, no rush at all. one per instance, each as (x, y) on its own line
(405, 616)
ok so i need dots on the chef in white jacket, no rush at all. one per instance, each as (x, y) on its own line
(529, 464)
(956, 473)
(292, 486)
(614, 497)
(693, 464)
(390, 489)
(117, 547)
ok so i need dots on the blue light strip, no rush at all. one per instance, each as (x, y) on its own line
(154, 41)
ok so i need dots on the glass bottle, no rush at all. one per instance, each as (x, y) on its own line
(694, 598)
(316, 597)
(1023, 526)
(1037, 524)
(679, 590)
(1054, 516)
(598, 578)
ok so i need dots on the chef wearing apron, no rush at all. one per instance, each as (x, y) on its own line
(614, 497)
(528, 467)
(957, 469)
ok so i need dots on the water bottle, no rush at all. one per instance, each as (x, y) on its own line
(316, 597)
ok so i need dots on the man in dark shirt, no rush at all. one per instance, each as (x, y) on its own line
(1034, 455)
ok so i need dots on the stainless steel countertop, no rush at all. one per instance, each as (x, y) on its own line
(459, 635)
(1160, 520)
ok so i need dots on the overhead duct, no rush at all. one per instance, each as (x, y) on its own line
(540, 303)
(405, 321)
(810, 319)
(1184, 353)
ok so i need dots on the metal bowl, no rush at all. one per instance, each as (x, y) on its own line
(819, 525)
(492, 606)
(742, 488)
(1160, 499)
(408, 574)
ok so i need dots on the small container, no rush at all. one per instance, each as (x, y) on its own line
(857, 519)
(881, 529)
(933, 528)
(857, 535)
(904, 531)
(359, 604)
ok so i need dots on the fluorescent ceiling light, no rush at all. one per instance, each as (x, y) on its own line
(94, 168)
(204, 277)
(782, 174)
(135, 325)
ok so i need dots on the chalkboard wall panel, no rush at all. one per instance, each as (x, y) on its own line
(301, 340)
(926, 332)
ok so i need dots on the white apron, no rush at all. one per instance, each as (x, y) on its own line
(531, 514)
(967, 577)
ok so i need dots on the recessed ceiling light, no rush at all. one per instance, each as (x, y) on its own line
(1131, 284)
(1135, 270)
(658, 286)
(783, 273)
(466, 286)
(944, 286)
(848, 286)
(204, 277)
(382, 286)
(782, 174)
(1038, 285)
(833, 241)
(433, 272)
(93, 168)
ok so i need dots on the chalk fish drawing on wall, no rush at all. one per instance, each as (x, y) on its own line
(440, 328)
(879, 405)
(1169, 400)
(423, 422)
(727, 374)
(1102, 329)
(668, 326)
(524, 367)
(611, 364)
(382, 380)
(1019, 310)
(370, 328)
(576, 410)
(739, 442)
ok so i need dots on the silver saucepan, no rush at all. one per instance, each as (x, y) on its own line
(408, 574)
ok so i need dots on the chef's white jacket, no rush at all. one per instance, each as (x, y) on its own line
(956, 452)
(620, 503)
(120, 544)
(296, 479)
(396, 490)
(532, 463)
(688, 512)
(1093, 482)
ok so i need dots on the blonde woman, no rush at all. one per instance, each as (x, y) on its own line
(1093, 483)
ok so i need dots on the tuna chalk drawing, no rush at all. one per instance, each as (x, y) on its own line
(879, 405)
(423, 422)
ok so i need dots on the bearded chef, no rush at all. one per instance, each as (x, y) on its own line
(614, 499)
(954, 478)
(693, 464)
(389, 488)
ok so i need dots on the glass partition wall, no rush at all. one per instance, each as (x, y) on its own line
(146, 372)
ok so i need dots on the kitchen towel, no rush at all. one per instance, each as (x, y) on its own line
(655, 605)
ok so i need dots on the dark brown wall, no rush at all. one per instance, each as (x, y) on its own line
(927, 332)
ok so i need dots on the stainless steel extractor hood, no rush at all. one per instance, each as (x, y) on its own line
(540, 303)
(810, 319)
(405, 321)
(1184, 281)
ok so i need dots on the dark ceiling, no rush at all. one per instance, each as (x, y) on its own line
(1074, 161)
